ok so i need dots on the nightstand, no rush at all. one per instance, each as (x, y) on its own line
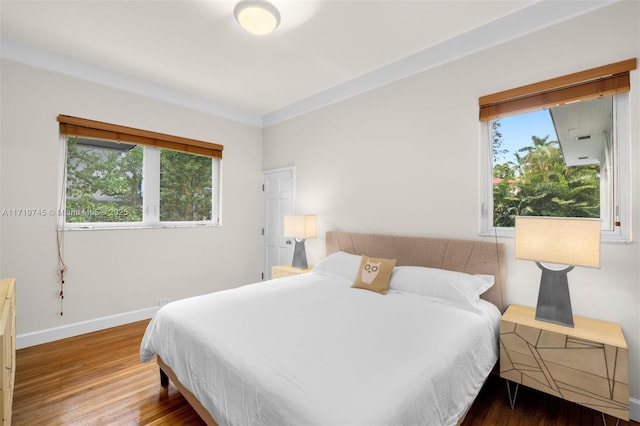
(586, 364)
(287, 270)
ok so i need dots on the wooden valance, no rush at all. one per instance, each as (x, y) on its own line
(597, 82)
(82, 127)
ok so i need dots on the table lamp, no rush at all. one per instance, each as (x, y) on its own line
(565, 241)
(300, 227)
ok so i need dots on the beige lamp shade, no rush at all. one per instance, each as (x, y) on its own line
(567, 241)
(300, 226)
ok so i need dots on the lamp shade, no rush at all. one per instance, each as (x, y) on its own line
(567, 241)
(300, 226)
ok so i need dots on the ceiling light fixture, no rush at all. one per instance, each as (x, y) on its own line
(257, 16)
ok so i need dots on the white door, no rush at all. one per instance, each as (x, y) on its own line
(278, 201)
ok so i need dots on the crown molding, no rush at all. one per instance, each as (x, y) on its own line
(540, 15)
(535, 17)
(27, 55)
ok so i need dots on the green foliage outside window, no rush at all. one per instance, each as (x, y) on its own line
(105, 185)
(539, 183)
(185, 187)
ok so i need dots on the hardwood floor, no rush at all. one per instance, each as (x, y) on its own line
(98, 379)
(95, 379)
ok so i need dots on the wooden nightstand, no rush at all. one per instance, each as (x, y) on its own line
(587, 364)
(287, 270)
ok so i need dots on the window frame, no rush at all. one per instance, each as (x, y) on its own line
(621, 186)
(152, 144)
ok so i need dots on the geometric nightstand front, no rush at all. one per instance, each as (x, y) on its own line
(587, 364)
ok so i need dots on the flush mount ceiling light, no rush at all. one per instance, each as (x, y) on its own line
(257, 16)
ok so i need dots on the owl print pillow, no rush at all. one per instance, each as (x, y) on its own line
(374, 274)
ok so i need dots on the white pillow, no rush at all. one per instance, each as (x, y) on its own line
(340, 264)
(451, 287)
(488, 280)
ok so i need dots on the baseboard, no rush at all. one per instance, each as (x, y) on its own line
(634, 409)
(49, 335)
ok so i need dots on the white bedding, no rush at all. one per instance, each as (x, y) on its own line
(310, 349)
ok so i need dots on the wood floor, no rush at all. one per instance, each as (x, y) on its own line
(98, 379)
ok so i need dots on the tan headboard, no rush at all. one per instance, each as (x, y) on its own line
(472, 257)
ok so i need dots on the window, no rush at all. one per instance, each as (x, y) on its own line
(103, 181)
(555, 148)
(122, 177)
(186, 183)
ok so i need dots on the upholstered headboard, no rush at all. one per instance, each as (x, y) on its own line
(472, 257)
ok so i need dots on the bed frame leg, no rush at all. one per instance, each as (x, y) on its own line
(164, 379)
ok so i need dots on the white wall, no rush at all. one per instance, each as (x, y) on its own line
(405, 158)
(401, 159)
(112, 272)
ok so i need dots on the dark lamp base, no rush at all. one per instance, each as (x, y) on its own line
(299, 256)
(554, 301)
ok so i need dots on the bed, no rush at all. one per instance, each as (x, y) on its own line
(311, 349)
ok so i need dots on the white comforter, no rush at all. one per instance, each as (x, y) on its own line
(310, 349)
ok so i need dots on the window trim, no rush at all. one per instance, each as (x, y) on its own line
(622, 183)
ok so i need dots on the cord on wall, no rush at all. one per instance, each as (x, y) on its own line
(61, 219)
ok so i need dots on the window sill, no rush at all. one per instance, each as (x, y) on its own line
(102, 227)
